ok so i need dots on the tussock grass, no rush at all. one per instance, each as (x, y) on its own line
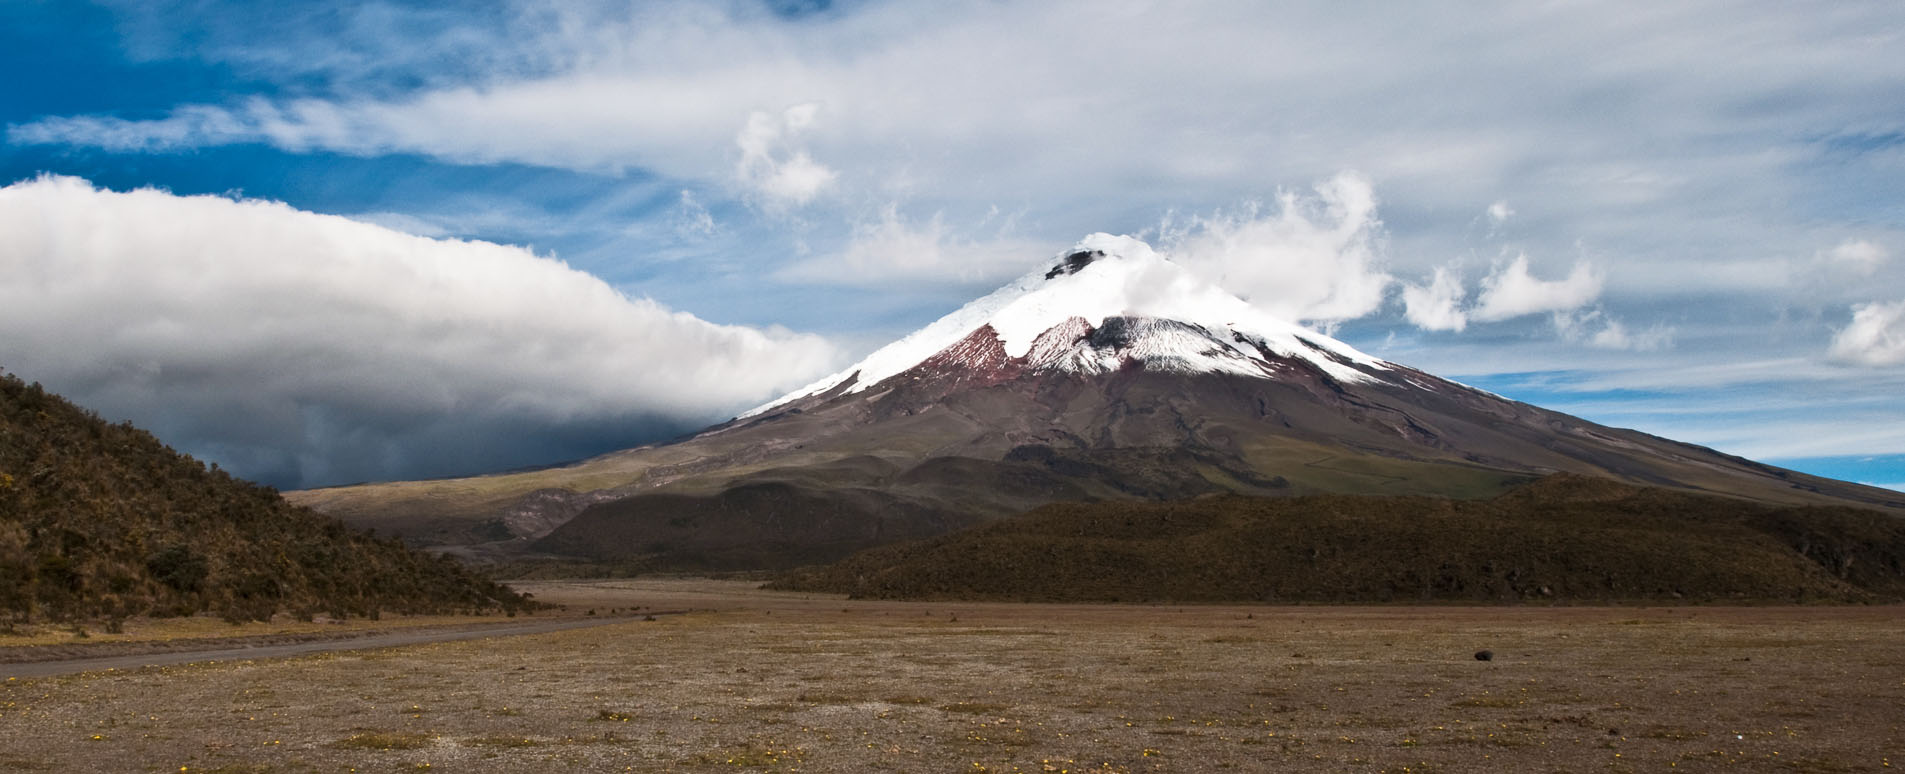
(1562, 539)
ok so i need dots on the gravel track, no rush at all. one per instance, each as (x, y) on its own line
(269, 646)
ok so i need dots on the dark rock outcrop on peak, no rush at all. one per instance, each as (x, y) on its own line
(1073, 262)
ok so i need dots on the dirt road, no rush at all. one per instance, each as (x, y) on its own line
(280, 650)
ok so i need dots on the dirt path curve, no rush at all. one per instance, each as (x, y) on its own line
(29, 670)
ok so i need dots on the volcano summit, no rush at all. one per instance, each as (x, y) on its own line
(1108, 373)
(1108, 305)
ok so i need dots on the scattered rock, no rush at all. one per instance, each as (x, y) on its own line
(1484, 655)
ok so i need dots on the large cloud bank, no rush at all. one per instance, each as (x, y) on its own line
(309, 349)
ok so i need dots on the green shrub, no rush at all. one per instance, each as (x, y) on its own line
(178, 568)
(102, 521)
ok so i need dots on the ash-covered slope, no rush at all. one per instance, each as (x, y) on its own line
(1107, 374)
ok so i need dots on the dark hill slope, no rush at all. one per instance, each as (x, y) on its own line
(103, 521)
(1564, 538)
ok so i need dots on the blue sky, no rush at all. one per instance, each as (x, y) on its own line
(566, 228)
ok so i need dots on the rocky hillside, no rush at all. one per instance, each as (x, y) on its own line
(1563, 539)
(102, 521)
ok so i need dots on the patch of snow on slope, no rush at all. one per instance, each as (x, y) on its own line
(1128, 280)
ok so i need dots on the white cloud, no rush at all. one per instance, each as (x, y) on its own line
(894, 250)
(1876, 336)
(1500, 212)
(1313, 258)
(1437, 306)
(773, 165)
(1857, 255)
(1513, 292)
(316, 348)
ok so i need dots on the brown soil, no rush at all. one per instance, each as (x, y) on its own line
(783, 682)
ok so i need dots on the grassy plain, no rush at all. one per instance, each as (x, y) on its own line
(768, 681)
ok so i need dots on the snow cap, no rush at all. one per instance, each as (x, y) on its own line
(1106, 276)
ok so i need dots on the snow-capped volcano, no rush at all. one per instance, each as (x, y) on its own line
(1107, 303)
(1109, 373)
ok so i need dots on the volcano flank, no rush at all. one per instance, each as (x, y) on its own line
(1108, 374)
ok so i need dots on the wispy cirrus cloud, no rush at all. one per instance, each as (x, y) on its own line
(893, 250)
(1534, 105)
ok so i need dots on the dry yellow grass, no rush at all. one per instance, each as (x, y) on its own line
(779, 682)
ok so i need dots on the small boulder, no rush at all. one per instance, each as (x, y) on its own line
(1484, 655)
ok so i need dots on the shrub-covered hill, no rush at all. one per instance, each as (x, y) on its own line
(1563, 538)
(103, 521)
